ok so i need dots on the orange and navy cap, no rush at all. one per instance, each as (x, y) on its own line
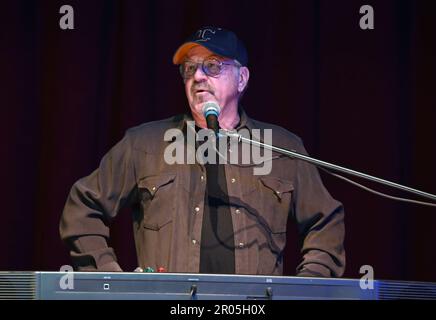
(218, 40)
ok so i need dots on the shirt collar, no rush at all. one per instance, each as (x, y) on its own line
(244, 122)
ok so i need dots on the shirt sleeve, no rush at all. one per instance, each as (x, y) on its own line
(91, 205)
(320, 220)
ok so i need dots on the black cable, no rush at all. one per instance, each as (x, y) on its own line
(377, 192)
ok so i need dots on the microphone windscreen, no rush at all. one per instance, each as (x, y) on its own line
(211, 111)
(211, 108)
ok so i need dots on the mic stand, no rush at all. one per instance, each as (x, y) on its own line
(328, 165)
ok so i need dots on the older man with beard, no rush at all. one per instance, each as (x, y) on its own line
(207, 218)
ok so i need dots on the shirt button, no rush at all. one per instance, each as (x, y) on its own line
(153, 189)
(194, 241)
(238, 211)
(197, 209)
(202, 178)
(241, 245)
(233, 180)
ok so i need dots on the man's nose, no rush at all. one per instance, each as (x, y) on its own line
(199, 74)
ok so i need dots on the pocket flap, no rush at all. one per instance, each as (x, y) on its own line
(154, 183)
(155, 226)
(277, 185)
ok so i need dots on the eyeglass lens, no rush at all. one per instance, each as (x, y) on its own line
(211, 67)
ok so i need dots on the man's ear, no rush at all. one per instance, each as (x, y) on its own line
(244, 75)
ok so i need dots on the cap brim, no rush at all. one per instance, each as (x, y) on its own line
(182, 51)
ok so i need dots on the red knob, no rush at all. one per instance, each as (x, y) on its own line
(161, 269)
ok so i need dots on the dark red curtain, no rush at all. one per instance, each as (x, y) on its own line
(364, 99)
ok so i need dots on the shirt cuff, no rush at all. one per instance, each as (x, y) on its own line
(91, 253)
(314, 270)
(112, 266)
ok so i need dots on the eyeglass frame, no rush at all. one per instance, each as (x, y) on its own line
(203, 68)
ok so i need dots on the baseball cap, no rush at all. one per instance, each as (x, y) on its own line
(218, 40)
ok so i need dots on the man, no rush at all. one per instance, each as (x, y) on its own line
(208, 218)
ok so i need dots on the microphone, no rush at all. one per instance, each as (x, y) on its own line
(211, 111)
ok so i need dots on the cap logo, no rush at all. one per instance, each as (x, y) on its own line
(201, 34)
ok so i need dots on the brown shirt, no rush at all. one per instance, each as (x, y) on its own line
(168, 204)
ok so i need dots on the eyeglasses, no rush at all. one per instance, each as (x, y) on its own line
(211, 67)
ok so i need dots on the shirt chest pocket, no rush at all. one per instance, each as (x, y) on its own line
(278, 187)
(276, 196)
(157, 200)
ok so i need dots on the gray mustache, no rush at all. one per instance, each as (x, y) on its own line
(196, 88)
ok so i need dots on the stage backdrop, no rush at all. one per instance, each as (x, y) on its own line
(364, 99)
